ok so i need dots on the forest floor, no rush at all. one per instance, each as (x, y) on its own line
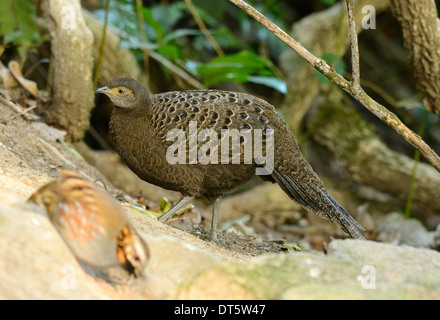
(260, 260)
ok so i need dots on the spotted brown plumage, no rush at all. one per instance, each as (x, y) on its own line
(140, 123)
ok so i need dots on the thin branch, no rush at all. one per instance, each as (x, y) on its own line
(319, 64)
(203, 28)
(144, 39)
(354, 47)
(282, 35)
(209, 36)
(17, 108)
(176, 70)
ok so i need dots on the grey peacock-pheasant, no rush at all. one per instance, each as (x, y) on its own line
(140, 123)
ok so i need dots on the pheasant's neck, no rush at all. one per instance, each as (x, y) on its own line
(129, 130)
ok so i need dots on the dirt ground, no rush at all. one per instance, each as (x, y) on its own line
(260, 227)
(264, 219)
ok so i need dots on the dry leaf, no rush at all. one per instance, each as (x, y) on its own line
(29, 85)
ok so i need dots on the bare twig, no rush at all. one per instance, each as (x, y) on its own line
(16, 108)
(203, 28)
(146, 52)
(176, 70)
(25, 111)
(209, 36)
(354, 47)
(319, 64)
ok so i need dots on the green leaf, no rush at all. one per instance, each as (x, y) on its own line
(328, 2)
(152, 22)
(179, 33)
(165, 204)
(169, 51)
(121, 15)
(169, 16)
(270, 82)
(17, 24)
(235, 67)
(134, 44)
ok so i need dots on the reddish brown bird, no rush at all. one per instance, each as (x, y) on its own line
(140, 123)
(92, 223)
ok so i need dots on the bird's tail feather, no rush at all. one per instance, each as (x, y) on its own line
(315, 199)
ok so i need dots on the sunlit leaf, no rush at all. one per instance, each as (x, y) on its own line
(235, 67)
(271, 82)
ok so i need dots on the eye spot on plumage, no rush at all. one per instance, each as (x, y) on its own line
(227, 121)
(212, 97)
(182, 114)
(232, 99)
(196, 109)
(258, 110)
(186, 105)
(205, 99)
(182, 99)
(263, 119)
(215, 116)
(172, 109)
(244, 115)
(195, 102)
(247, 101)
(229, 112)
(246, 126)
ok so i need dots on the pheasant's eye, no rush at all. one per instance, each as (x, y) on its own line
(121, 91)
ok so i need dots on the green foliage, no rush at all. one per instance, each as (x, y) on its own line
(328, 2)
(172, 32)
(240, 67)
(18, 26)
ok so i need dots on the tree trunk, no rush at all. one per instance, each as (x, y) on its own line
(421, 35)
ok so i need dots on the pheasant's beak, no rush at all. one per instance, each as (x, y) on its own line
(104, 90)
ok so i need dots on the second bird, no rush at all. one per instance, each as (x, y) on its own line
(139, 125)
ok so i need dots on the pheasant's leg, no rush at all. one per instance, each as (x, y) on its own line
(215, 213)
(174, 209)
